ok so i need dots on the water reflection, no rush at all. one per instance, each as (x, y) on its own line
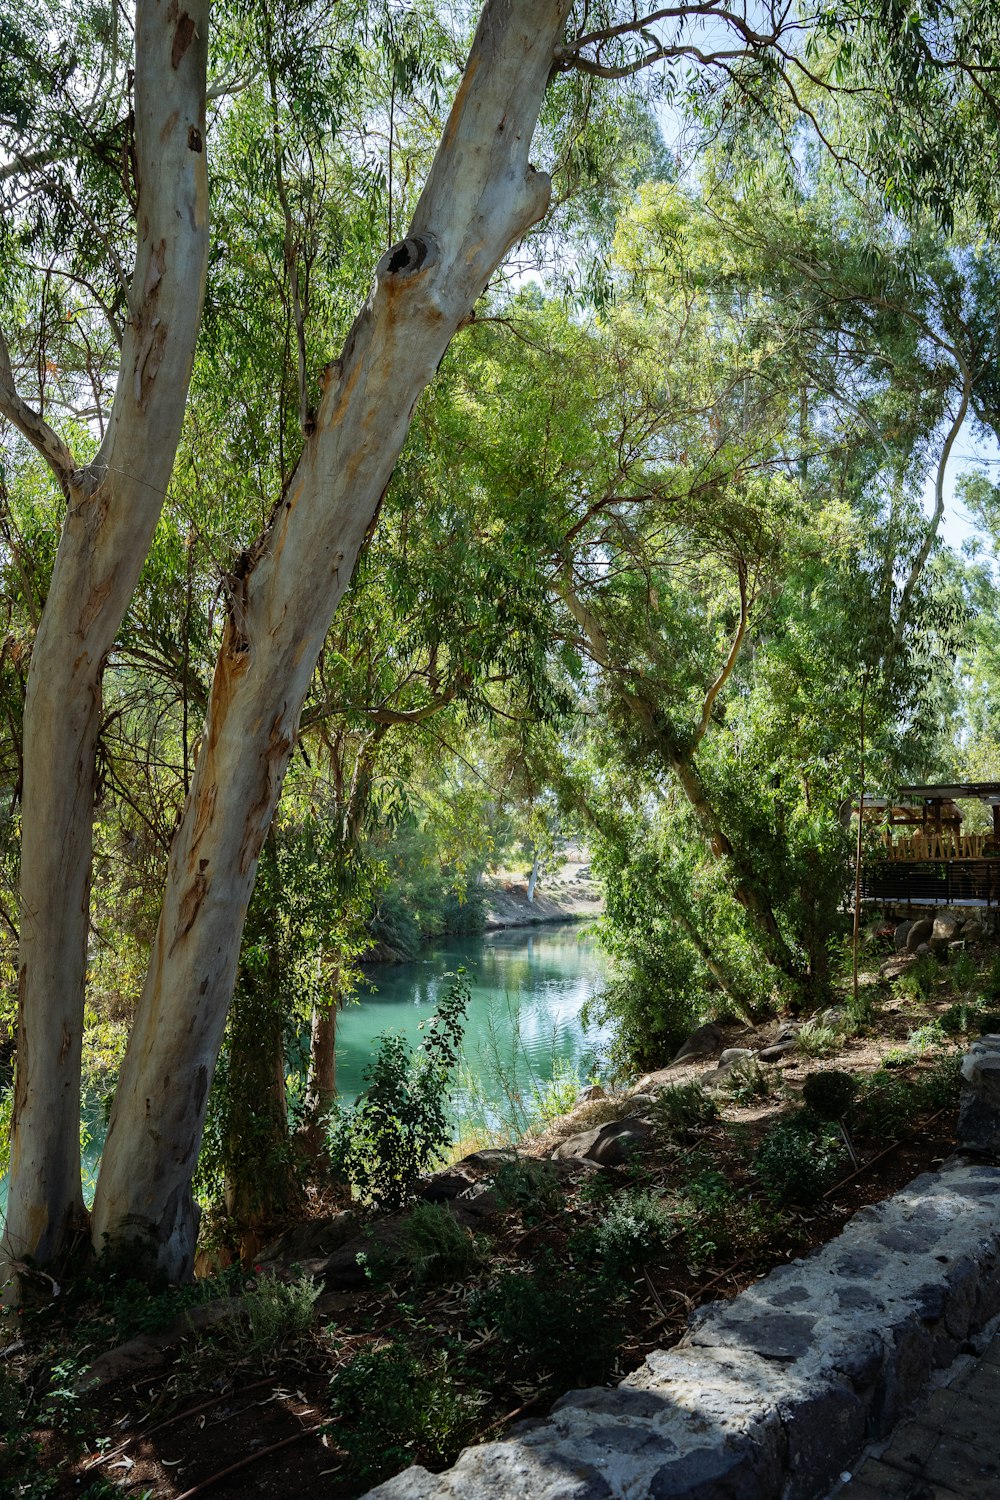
(528, 988)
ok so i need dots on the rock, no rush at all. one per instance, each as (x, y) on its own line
(652, 1083)
(922, 948)
(972, 932)
(919, 933)
(317, 1237)
(900, 935)
(609, 1145)
(483, 1201)
(705, 1041)
(440, 1187)
(589, 1094)
(777, 1052)
(942, 932)
(492, 1158)
(639, 1104)
(979, 1105)
(734, 1055)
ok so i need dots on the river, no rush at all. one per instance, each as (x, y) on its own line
(523, 1031)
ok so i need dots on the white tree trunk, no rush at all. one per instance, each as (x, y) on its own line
(481, 195)
(113, 507)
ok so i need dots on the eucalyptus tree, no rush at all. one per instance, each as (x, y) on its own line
(107, 145)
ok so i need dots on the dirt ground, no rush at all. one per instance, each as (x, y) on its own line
(192, 1425)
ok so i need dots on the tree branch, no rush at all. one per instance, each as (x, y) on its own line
(32, 425)
(731, 659)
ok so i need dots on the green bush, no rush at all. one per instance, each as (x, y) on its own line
(554, 1323)
(399, 1126)
(270, 1317)
(749, 1082)
(683, 1108)
(959, 1018)
(392, 1408)
(634, 1227)
(991, 984)
(830, 1093)
(799, 1159)
(531, 1187)
(719, 1221)
(818, 1040)
(432, 1246)
(921, 978)
(962, 972)
(888, 1104)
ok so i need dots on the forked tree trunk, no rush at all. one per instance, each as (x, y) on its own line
(481, 195)
(112, 509)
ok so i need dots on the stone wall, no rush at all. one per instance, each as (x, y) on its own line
(774, 1393)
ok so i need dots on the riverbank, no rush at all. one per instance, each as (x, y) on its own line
(573, 898)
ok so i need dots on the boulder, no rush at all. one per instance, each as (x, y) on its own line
(919, 933)
(652, 1083)
(734, 1055)
(639, 1104)
(942, 932)
(705, 1041)
(589, 1094)
(609, 1145)
(440, 1187)
(491, 1159)
(316, 1237)
(900, 935)
(777, 1052)
(972, 932)
(979, 1105)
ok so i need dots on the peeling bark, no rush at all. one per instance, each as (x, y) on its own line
(480, 196)
(113, 507)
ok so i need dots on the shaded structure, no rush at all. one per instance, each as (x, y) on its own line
(927, 857)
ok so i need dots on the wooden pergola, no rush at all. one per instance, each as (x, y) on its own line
(927, 857)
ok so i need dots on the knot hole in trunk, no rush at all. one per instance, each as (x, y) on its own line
(413, 254)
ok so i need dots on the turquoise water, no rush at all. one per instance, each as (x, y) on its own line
(528, 987)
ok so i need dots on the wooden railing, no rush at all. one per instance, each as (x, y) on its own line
(947, 844)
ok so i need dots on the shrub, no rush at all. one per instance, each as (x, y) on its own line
(889, 1104)
(683, 1108)
(799, 1159)
(392, 1408)
(433, 1246)
(634, 1227)
(920, 978)
(531, 1187)
(399, 1127)
(925, 1037)
(815, 1039)
(991, 984)
(748, 1082)
(830, 1093)
(272, 1315)
(962, 972)
(958, 1018)
(718, 1221)
(554, 1323)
